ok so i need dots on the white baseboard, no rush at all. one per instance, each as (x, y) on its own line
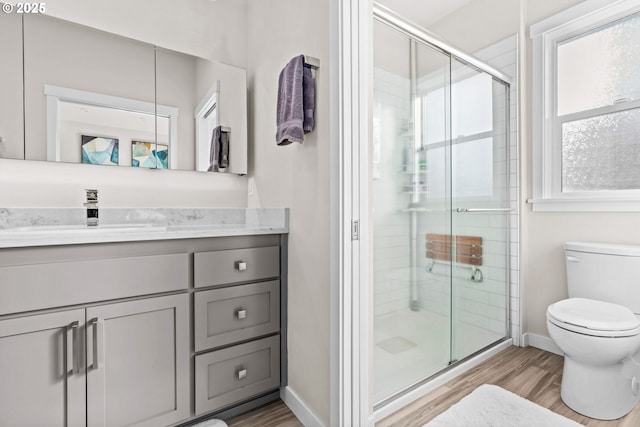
(541, 342)
(299, 408)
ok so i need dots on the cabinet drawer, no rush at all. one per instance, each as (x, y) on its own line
(39, 286)
(236, 313)
(232, 374)
(238, 265)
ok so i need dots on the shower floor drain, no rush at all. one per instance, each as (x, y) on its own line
(396, 345)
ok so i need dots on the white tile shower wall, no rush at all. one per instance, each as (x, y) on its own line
(391, 226)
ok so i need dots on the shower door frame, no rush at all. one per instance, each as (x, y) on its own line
(350, 316)
(350, 399)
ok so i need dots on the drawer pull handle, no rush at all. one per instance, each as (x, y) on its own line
(242, 374)
(241, 313)
(241, 265)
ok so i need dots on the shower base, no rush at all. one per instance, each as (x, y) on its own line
(410, 346)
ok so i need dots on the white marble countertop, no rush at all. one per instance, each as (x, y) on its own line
(49, 227)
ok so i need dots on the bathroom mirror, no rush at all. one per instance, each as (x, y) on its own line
(95, 97)
(207, 94)
(11, 106)
(80, 84)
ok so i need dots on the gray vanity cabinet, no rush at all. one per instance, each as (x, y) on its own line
(41, 380)
(236, 326)
(143, 334)
(120, 357)
(138, 362)
(136, 370)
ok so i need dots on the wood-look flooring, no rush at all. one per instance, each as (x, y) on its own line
(270, 415)
(529, 372)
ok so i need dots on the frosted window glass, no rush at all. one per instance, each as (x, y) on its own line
(602, 153)
(596, 69)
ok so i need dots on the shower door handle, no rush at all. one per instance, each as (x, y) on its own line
(484, 210)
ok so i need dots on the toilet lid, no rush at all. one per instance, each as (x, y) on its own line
(594, 315)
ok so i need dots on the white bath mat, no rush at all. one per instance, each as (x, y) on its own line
(396, 345)
(492, 406)
(211, 423)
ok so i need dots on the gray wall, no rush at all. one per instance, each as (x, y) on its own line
(210, 29)
(296, 176)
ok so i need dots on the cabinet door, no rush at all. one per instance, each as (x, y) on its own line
(138, 362)
(42, 383)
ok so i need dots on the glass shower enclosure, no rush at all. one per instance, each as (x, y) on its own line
(440, 195)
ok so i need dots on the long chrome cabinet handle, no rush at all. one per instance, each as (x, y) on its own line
(94, 326)
(484, 210)
(72, 352)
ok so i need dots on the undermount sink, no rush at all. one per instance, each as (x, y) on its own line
(82, 229)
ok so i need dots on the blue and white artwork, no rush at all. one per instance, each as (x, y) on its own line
(99, 151)
(149, 155)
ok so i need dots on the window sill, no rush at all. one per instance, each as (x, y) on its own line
(585, 205)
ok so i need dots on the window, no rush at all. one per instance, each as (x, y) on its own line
(472, 133)
(586, 123)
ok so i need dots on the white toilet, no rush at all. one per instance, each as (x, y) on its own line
(598, 329)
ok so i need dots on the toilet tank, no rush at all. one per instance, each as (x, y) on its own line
(604, 272)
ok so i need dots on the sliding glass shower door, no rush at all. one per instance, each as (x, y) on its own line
(439, 186)
(480, 209)
(410, 342)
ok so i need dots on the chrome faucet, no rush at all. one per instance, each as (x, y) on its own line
(92, 207)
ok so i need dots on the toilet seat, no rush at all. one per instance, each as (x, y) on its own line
(595, 318)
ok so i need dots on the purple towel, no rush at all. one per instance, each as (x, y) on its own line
(309, 99)
(214, 154)
(223, 162)
(219, 155)
(290, 113)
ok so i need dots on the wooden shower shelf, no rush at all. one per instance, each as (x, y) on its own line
(468, 249)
